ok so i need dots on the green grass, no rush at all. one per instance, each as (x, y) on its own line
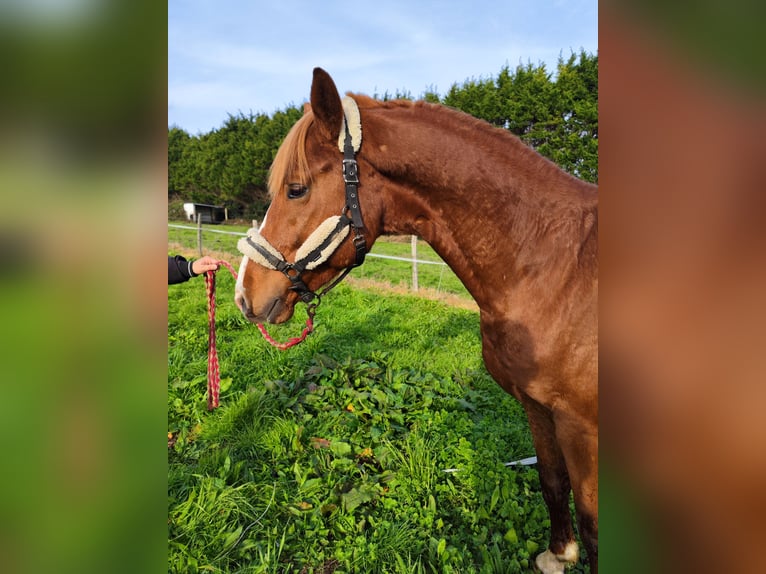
(330, 457)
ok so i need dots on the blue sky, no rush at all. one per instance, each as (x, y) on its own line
(233, 56)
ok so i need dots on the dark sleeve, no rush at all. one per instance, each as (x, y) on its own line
(179, 270)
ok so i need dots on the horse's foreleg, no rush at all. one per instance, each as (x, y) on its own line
(579, 443)
(554, 481)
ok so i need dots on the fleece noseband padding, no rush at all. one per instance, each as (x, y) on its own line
(317, 248)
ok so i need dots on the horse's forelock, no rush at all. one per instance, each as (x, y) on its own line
(290, 164)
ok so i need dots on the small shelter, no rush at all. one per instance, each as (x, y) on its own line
(207, 213)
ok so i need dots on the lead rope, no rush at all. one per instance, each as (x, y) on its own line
(213, 367)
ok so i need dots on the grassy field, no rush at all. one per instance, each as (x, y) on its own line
(331, 457)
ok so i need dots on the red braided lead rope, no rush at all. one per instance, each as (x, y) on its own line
(213, 368)
(290, 342)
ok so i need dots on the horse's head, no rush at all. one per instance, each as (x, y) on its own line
(313, 228)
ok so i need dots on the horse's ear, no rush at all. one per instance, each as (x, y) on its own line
(306, 108)
(325, 103)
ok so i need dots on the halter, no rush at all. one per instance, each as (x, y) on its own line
(327, 238)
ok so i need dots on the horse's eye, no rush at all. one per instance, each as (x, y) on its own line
(296, 190)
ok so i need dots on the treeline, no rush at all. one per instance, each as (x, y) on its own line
(559, 118)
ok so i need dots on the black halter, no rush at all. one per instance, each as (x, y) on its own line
(351, 178)
(294, 271)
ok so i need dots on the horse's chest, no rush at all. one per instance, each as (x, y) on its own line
(509, 353)
(540, 365)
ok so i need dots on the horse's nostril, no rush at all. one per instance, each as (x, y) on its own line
(241, 302)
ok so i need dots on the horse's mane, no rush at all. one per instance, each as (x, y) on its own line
(291, 161)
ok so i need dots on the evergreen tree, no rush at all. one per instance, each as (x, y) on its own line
(559, 118)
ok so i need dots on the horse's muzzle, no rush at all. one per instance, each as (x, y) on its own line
(273, 311)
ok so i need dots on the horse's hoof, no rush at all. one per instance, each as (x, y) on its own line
(550, 563)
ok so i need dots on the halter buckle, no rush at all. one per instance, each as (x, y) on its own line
(350, 171)
(304, 293)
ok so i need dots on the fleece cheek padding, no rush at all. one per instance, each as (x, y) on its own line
(320, 234)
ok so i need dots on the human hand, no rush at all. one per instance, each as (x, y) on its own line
(206, 263)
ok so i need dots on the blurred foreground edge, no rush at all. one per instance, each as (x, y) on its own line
(683, 200)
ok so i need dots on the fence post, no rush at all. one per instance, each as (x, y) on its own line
(414, 245)
(199, 233)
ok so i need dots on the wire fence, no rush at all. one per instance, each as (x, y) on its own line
(396, 269)
(413, 260)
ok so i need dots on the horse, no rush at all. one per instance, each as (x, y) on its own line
(519, 232)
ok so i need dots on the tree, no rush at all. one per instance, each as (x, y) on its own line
(577, 106)
(559, 118)
(178, 141)
(478, 98)
(229, 165)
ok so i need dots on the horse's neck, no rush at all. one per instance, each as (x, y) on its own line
(494, 210)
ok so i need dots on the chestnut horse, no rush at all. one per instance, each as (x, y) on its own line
(519, 232)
